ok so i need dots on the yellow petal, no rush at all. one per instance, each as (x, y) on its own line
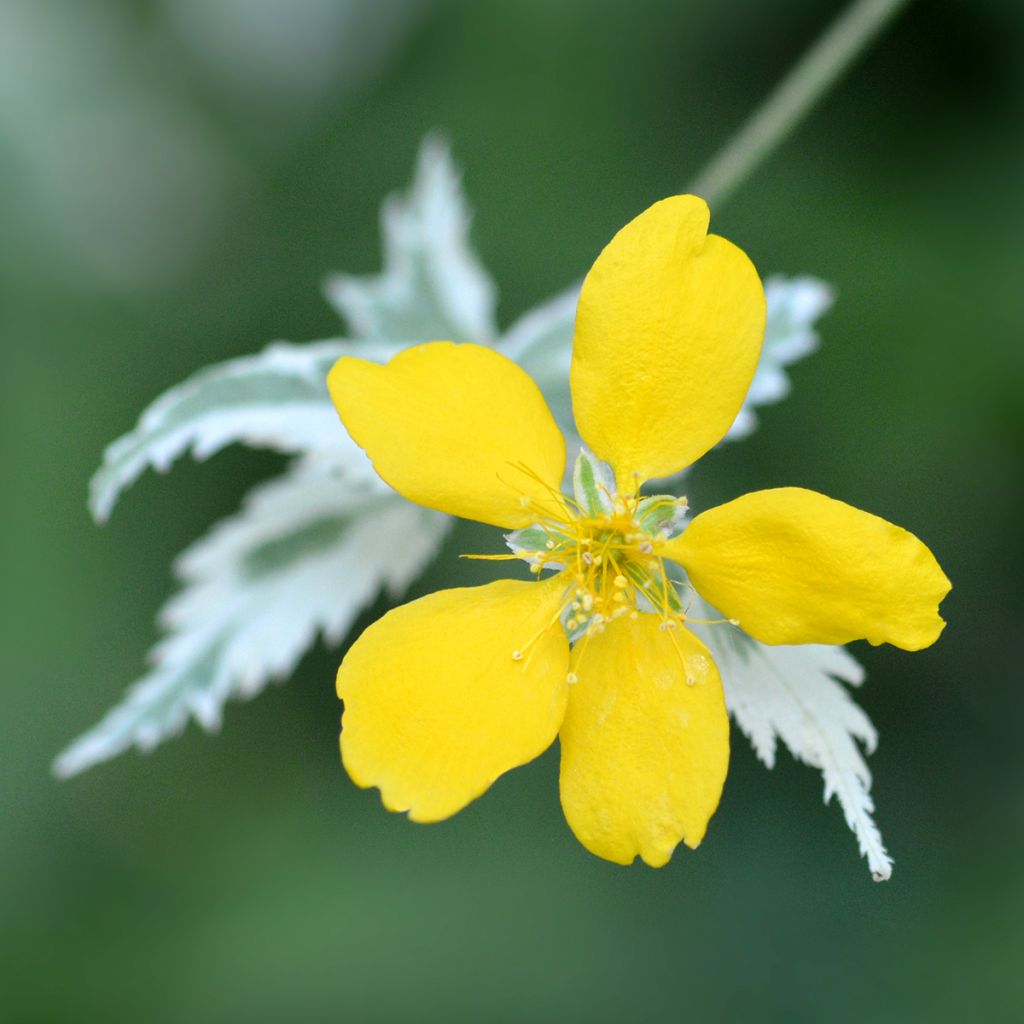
(645, 743)
(458, 428)
(437, 707)
(668, 333)
(795, 567)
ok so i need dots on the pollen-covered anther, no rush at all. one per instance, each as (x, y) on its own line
(611, 555)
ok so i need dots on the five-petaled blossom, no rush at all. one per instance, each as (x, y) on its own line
(446, 693)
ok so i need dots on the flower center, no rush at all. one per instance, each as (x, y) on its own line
(610, 559)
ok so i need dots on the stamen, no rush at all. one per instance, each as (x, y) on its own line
(530, 645)
(609, 561)
(562, 501)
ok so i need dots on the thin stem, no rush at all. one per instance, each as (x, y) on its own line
(808, 81)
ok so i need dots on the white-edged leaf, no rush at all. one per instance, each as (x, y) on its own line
(304, 556)
(276, 399)
(795, 304)
(433, 287)
(796, 694)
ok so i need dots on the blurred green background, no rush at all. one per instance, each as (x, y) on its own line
(175, 180)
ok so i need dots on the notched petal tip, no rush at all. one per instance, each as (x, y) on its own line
(644, 752)
(668, 332)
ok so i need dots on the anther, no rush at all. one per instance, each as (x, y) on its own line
(621, 582)
(517, 655)
(572, 678)
(535, 568)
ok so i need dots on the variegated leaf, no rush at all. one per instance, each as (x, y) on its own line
(275, 399)
(795, 304)
(433, 287)
(796, 694)
(304, 556)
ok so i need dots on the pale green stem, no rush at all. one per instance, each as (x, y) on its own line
(816, 72)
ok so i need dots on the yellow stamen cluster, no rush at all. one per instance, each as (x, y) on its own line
(611, 564)
(607, 549)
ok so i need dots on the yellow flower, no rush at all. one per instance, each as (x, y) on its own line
(443, 695)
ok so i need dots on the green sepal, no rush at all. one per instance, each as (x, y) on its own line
(593, 484)
(662, 513)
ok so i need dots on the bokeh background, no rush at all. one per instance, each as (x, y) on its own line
(176, 178)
